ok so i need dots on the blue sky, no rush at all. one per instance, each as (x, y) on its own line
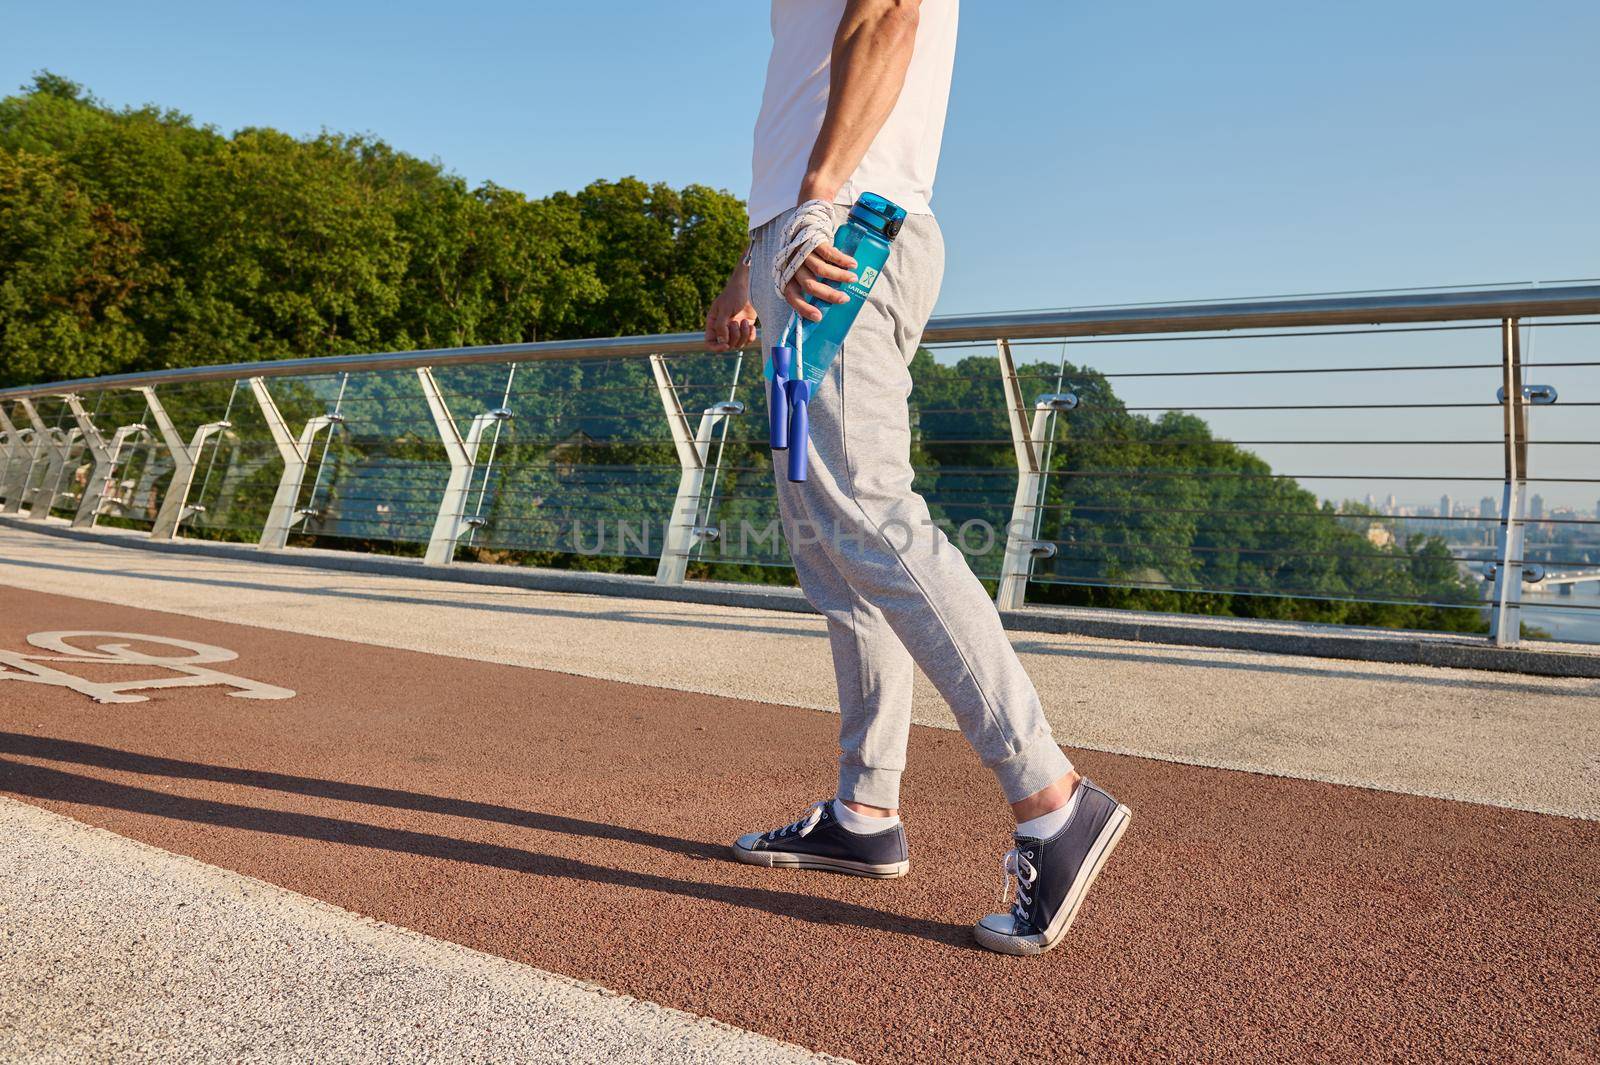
(1096, 153)
(1133, 151)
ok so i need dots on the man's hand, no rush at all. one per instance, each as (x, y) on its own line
(825, 262)
(731, 321)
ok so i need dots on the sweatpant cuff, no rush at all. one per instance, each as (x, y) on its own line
(871, 787)
(1033, 768)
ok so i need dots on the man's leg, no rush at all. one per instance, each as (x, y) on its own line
(879, 536)
(857, 831)
(872, 668)
(865, 528)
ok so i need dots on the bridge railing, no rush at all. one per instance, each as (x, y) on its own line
(1204, 457)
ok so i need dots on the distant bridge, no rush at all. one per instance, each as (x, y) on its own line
(1535, 576)
(1568, 581)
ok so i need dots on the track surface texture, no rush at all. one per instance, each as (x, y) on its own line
(580, 826)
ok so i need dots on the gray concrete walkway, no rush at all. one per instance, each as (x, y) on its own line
(1526, 742)
(113, 950)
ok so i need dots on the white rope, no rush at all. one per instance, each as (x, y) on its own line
(798, 372)
(810, 227)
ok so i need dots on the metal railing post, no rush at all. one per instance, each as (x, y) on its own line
(105, 453)
(21, 451)
(683, 530)
(463, 454)
(708, 529)
(10, 441)
(1028, 436)
(678, 537)
(283, 515)
(1505, 622)
(478, 521)
(149, 473)
(56, 445)
(71, 458)
(39, 452)
(185, 459)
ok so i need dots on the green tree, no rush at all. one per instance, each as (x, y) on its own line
(662, 255)
(260, 245)
(72, 277)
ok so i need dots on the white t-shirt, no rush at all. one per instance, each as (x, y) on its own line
(903, 157)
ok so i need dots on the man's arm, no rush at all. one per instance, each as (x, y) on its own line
(871, 54)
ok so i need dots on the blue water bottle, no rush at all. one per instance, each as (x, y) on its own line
(795, 371)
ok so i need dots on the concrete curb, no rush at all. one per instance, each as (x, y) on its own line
(1401, 647)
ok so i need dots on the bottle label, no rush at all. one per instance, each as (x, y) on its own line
(859, 287)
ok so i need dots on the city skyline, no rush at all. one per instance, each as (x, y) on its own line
(1487, 507)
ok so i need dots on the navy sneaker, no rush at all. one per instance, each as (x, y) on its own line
(1053, 875)
(819, 841)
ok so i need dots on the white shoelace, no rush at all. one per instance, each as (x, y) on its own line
(801, 828)
(1017, 865)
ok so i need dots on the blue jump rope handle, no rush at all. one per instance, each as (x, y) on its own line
(778, 398)
(799, 395)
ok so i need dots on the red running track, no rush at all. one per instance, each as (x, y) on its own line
(580, 826)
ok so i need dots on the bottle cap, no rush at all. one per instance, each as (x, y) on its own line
(878, 214)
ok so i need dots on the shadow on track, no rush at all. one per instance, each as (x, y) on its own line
(40, 782)
(56, 750)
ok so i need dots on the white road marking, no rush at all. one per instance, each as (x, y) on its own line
(192, 669)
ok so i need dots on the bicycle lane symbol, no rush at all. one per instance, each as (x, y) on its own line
(192, 666)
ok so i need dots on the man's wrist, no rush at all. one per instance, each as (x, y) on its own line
(818, 187)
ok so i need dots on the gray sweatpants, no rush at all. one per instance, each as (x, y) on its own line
(895, 591)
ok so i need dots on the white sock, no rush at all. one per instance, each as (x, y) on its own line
(1046, 825)
(862, 824)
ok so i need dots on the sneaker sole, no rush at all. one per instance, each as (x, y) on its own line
(1107, 842)
(776, 859)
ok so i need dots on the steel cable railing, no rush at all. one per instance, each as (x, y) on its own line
(1138, 495)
